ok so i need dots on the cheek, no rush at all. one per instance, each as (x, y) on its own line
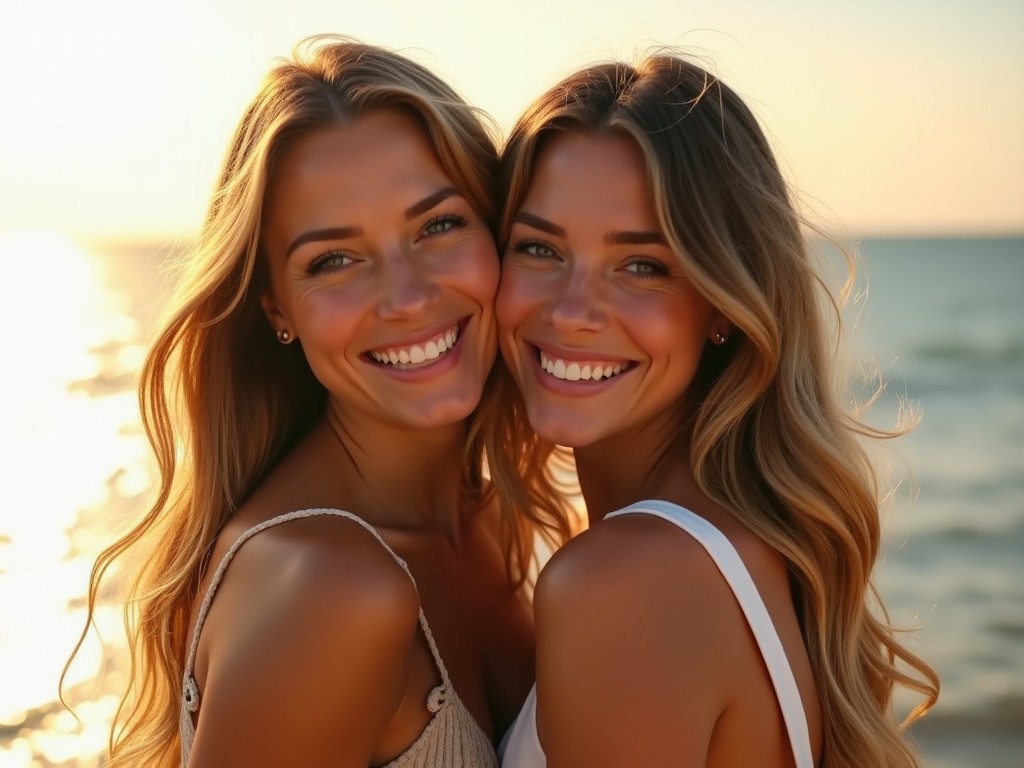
(670, 327)
(518, 297)
(329, 316)
(475, 271)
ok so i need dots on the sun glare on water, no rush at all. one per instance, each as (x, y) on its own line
(70, 447)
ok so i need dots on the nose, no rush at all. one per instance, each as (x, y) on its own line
(406, 289)
(576, 306)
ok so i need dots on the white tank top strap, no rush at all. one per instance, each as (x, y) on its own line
(190, 691)
(729, 563)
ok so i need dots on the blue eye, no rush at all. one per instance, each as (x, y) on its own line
(330, 261)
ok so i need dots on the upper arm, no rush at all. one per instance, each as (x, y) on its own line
(310, 657)
(634, 645)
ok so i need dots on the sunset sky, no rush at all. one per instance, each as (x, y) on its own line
(896, 116)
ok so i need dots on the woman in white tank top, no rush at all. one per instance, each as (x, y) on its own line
(661, 315)
(329, 576)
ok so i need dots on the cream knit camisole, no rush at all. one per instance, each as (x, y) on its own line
(451, 739)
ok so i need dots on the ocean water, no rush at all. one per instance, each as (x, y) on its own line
(942, 319)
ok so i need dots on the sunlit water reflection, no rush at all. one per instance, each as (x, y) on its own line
(945, 323)
(73, 462)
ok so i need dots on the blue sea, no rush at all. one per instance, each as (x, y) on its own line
(944, 321)
(941, 319)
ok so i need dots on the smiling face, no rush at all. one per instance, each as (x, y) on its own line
(382, 271)
(598, 324)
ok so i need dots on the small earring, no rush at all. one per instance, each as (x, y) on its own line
(284, 336)
(720, 338)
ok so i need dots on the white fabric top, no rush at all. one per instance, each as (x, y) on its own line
(452, 737)
(521, 746)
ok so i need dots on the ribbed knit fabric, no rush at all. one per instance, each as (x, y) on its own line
(452, 738)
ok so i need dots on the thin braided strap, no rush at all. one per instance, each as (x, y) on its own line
(190, 691)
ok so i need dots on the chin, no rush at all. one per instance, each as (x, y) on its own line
(444, 412)
(556, 428)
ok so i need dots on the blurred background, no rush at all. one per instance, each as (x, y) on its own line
(900, 122)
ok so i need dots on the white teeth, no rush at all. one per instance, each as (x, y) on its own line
(573, 371)
(418, 353)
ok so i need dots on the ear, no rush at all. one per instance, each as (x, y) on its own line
(275, 315)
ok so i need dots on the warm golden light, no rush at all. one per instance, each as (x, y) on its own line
(68, 451)
(898, 117)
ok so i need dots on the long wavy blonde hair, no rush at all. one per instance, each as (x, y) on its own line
(770, 439)
(221, 401)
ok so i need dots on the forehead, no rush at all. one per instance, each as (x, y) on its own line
(376, 159)
(579, 172)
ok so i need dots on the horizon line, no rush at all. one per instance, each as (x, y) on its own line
(168, 240)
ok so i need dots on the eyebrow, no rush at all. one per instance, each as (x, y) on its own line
(430, 201)
(343, 233)
(530, 219)
(336, 233)
(611, 238)
(634, 238)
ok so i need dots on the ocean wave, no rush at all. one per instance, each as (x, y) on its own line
(993, 538)
(1001, 713)
(1007, 628)
(962, 534)
(1008, 352)
(943, 379)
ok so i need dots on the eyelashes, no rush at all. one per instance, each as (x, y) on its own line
(646, 266)
(329, 261)
(336, 260)
(445, 222)
(534, 248)
(643, 267)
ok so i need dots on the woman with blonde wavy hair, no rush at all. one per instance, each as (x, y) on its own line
(314, 403)
(661, 316)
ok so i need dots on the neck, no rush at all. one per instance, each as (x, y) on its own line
(406, 479)
(649, 461)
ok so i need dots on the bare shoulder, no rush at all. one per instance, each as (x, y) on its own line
(620, 558)
(325, 573)
(638, 580)
(308, 636)
(635, 610)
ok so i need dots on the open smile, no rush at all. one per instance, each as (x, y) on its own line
(421, 354)
(575, 370)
